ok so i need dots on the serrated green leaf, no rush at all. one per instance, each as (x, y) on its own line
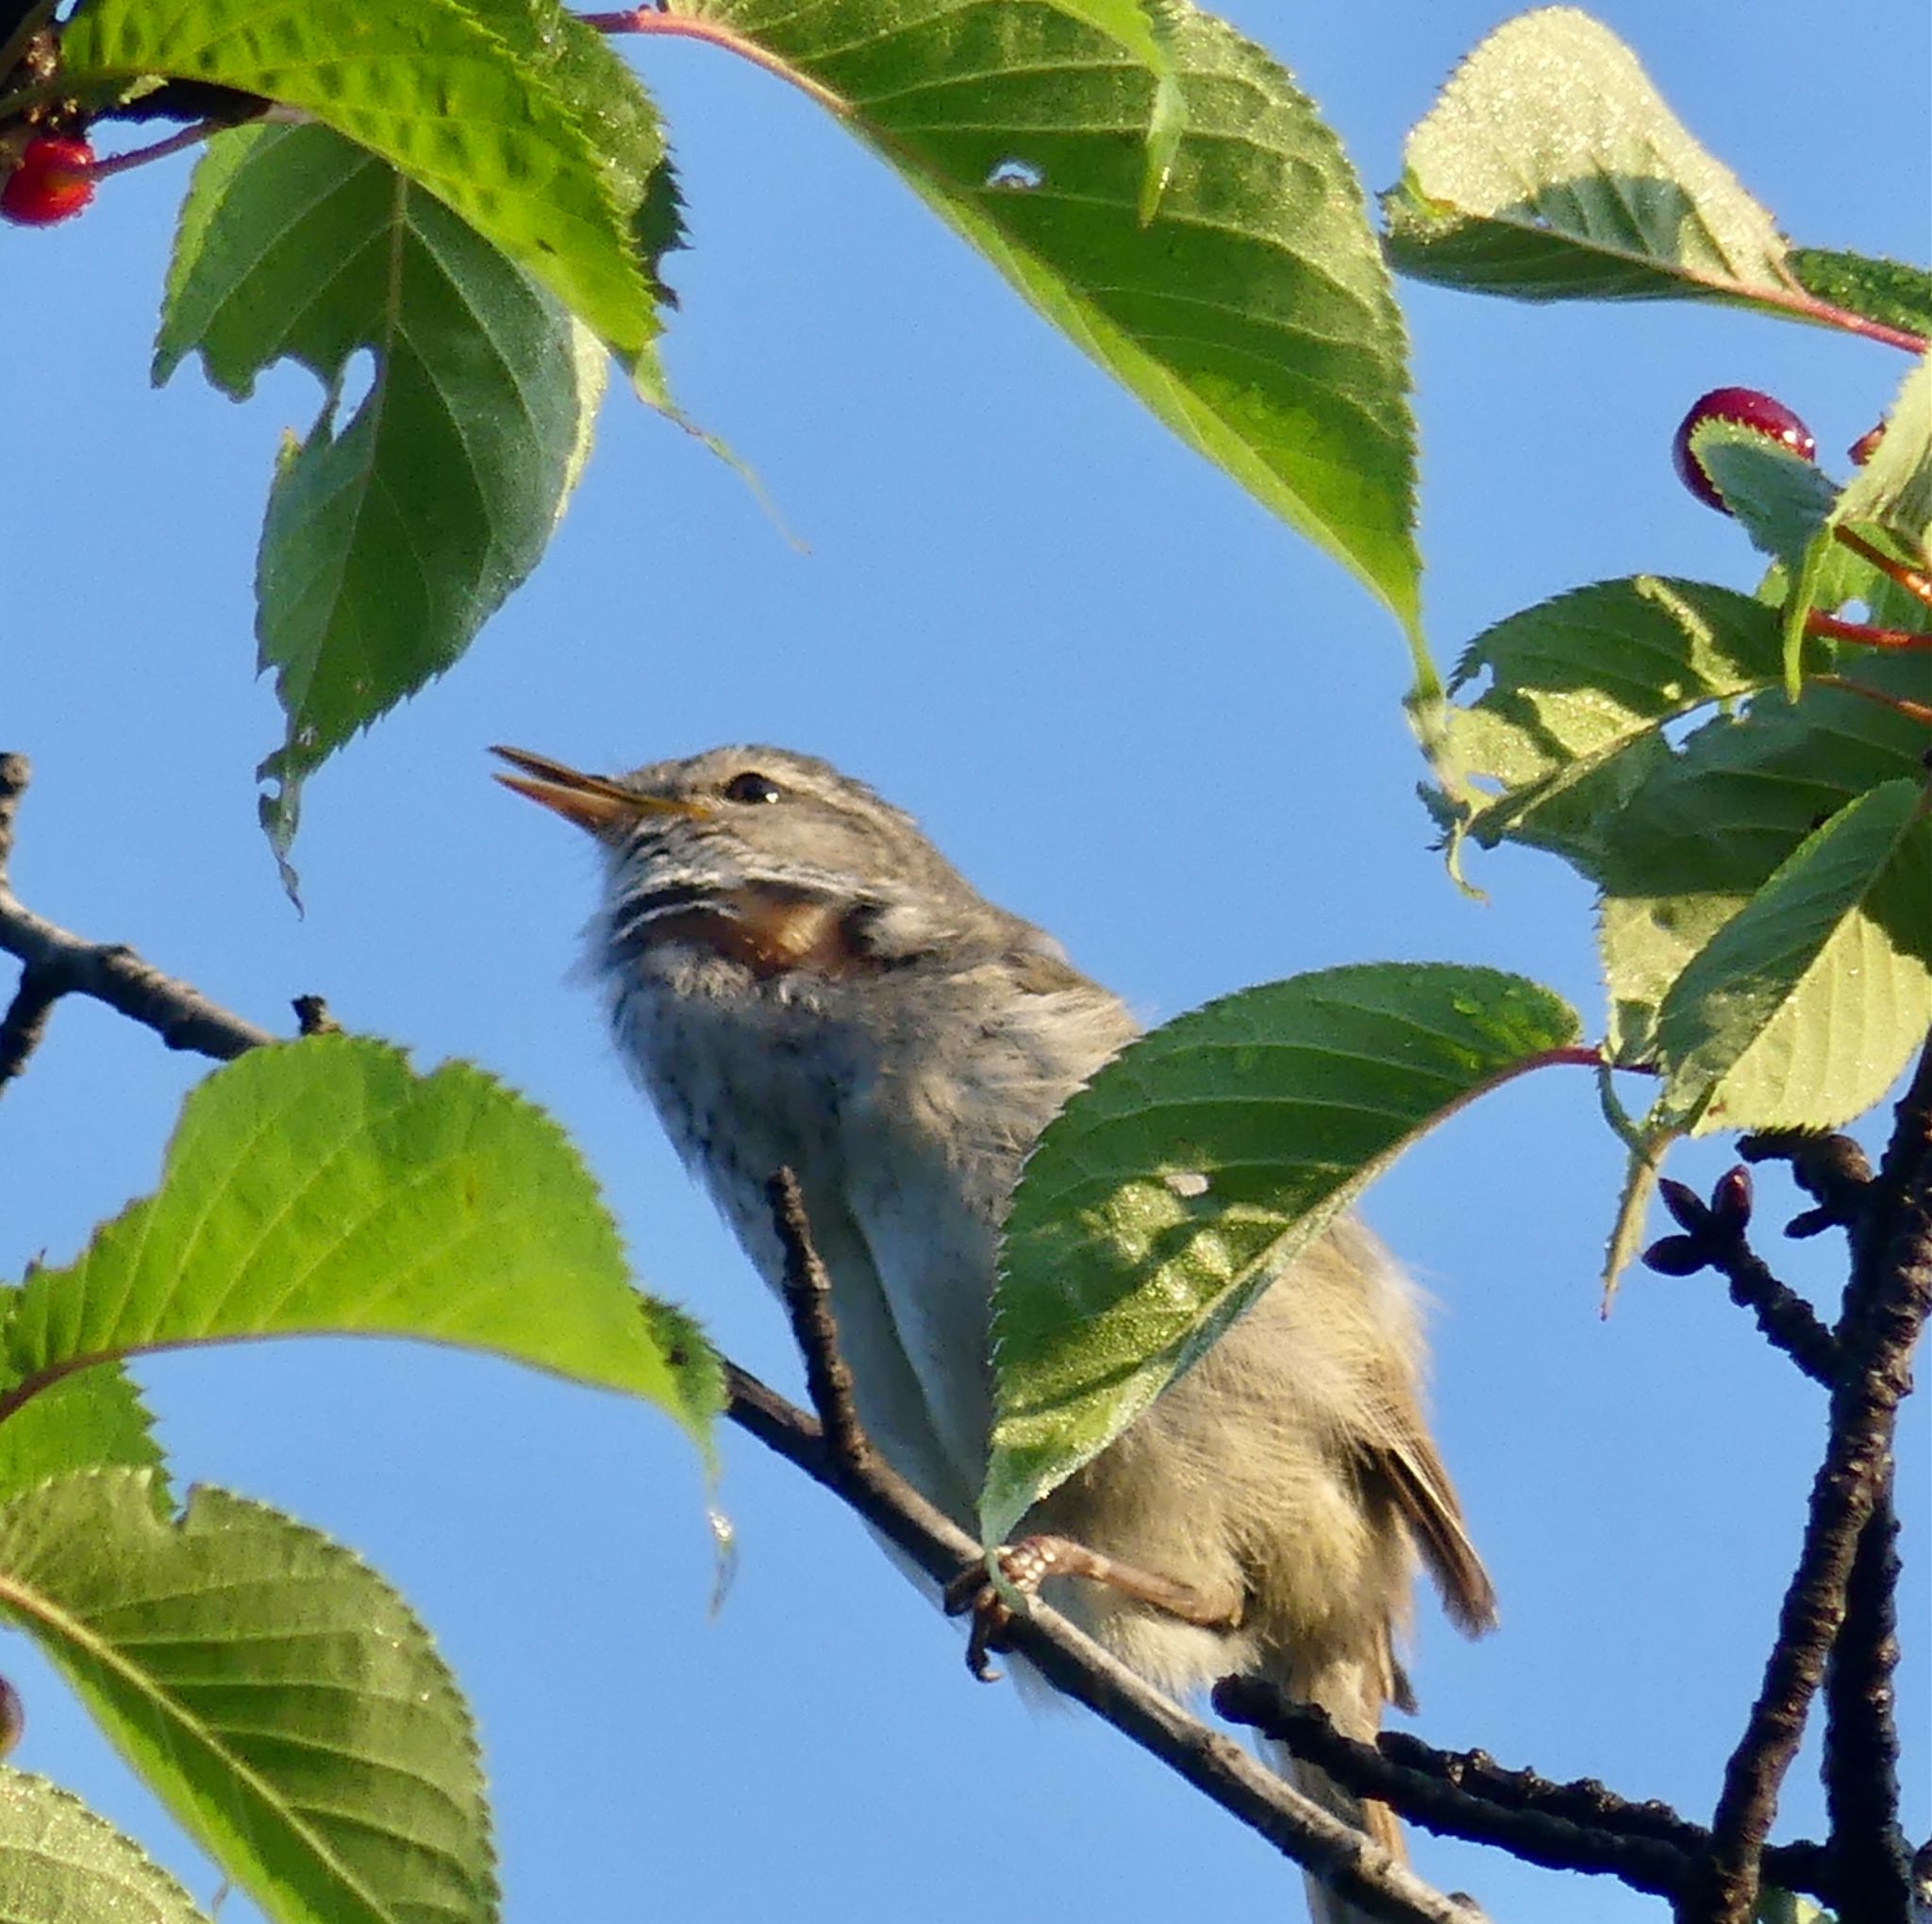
(393, 537)
(273, 1689)
(1633, 1203)
(1711, 821)
(1253, 314)
(1119, 1267)
(1894, 488)
(1551, 169)
(89, 1420)
(1782, 499)
(1887, 291)
(60, 1863)
(1580, 690)
(1802, 1008)
(323, 1187)
(1144, 28)
(481, 106)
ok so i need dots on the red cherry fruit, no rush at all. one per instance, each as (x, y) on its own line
(53, 181)
(1748, 408)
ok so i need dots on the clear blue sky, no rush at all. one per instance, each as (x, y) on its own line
(1131, 707)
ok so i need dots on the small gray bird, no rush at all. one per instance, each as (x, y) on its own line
(798, 978)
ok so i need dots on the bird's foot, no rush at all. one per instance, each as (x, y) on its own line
(1023, 1566)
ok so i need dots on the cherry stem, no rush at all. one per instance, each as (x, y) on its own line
(1912, 711)
(181, 139)
(1808, 307)
(1829, 628)
(651, 19)
(1915, 584)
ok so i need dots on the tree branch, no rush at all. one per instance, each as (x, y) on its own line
(1349, 1862)
(1871, 1870)
(1886, 1307)
(56, 964)
(1579, 1826)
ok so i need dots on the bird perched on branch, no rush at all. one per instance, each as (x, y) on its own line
(799, 979)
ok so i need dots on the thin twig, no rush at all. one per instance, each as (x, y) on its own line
(1886, 1307)
(1786, 1319)
(808, 1303)
(1713, 1236)
(312, 1016)
(1349, 1862)
(1579, 1826)
(1831, 1169)
(62, 964)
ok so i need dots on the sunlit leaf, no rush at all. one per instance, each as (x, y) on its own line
(1579, 693)
(1781, 499)
(322, 1186)
(59, 1864)
(1804, 1007)
(91, 1420)
(487, 106)
(1551, 169)
(274, 1690)
(1713, 819)
(1252, 314)
(1194, 1167)
(1894, 488)
(1887, 291)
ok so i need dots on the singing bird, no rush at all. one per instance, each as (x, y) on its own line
(799, 979)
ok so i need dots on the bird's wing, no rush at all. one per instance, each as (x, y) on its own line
(1402, 1458)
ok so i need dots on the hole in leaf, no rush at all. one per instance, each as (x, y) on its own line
(1012, 175)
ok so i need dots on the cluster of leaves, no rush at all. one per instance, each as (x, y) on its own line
(272, 1688)
(476, 194)
(481, 202)
(1751, 805)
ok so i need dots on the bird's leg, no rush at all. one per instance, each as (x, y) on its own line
(1027, 1565)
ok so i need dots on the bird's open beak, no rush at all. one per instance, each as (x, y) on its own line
(590, 801)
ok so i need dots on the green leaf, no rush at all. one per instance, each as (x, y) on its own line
(270, 1688)
(1782, 500)
(1253, 314)
(1894, 488)
(1196, 1166)
(1580, 690)
(1144, 28)
(393, 537)
(323, 1187)
(1633, 1204)
(1711, 822)
(58, 1862)
(1887, 291)
(88, 1420)
(485, 106)
(1799, 1012)
(1549, 169)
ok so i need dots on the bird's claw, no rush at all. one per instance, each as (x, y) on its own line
(1023, 1567)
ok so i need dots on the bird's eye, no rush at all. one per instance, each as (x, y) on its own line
(753, 787)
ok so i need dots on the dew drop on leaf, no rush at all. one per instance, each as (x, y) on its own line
(1012, 175)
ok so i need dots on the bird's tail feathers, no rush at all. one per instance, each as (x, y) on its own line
(1354, 1701)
